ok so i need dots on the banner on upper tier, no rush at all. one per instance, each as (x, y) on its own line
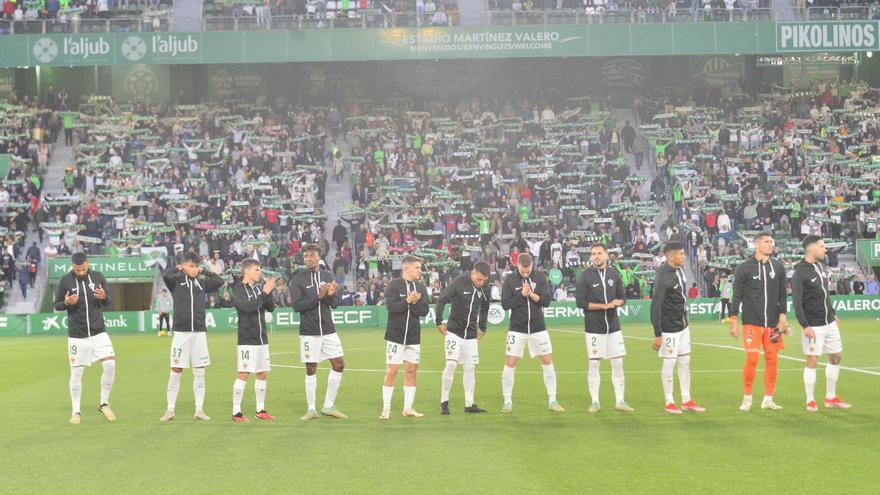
(364, 317)
(114, 268)
(430, 43)
(827, 36)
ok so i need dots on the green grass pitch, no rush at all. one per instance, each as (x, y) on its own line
(531, 451)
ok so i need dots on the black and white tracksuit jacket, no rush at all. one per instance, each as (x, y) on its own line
(600, 287)
(404, 324)
(669, 300)
(526, 315)
(188, 295)
(251, 304)
(315, 315)
(86, 317)
(759, 292)
(809, 294)
(470, 307)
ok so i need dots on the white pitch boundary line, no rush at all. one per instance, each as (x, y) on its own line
(865, 370)
(721, 346)
(347, 349)
(652, 372)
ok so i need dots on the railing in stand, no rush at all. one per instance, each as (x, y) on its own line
(377, 18)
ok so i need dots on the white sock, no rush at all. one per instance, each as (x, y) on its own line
(409, 396)
(550, 381)
(107, 378)
(832, 371)
(767, 398)
(810, 383)
(469, 380)
(617, 378)
(387, 393)
(684, 377)
(173, 388)
(260, 390)
(333, 381)
(76, 374)
(237, 393)
(667, 379)
(311, 390)
(448, 377)
(507, 380)
(199, 387)
(593, 379)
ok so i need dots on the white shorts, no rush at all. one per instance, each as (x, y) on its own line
(190, 350)
(673, 345)
(315, 348)
(253, 358)
(827, 341)
(84, 352)
(605, 345)
(398, 353)
(464, 351)
(539, 344)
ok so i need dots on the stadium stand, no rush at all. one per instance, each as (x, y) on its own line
(329, 13)
(83, 16)
(459, 182)
(79, 16)
(725, 168)
(29, 131)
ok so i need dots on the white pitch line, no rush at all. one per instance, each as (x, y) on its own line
(347, 349)
(781, 356)
(607, 372)
(865, 370)
(721, 346)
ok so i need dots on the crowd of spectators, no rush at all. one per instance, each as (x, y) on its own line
(224, 181)
(791, 161)
(28, 131)
(489, 180)
(457, 182)
(396, 13)
(28, 16)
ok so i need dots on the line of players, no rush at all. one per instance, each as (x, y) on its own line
(759, 290)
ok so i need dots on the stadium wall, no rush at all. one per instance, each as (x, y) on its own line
(722, 46)
(367, 317)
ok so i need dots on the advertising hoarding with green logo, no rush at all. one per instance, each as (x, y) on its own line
(354, 317)
(431, 43)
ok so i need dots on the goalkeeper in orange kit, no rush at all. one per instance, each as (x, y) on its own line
(759, 293)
